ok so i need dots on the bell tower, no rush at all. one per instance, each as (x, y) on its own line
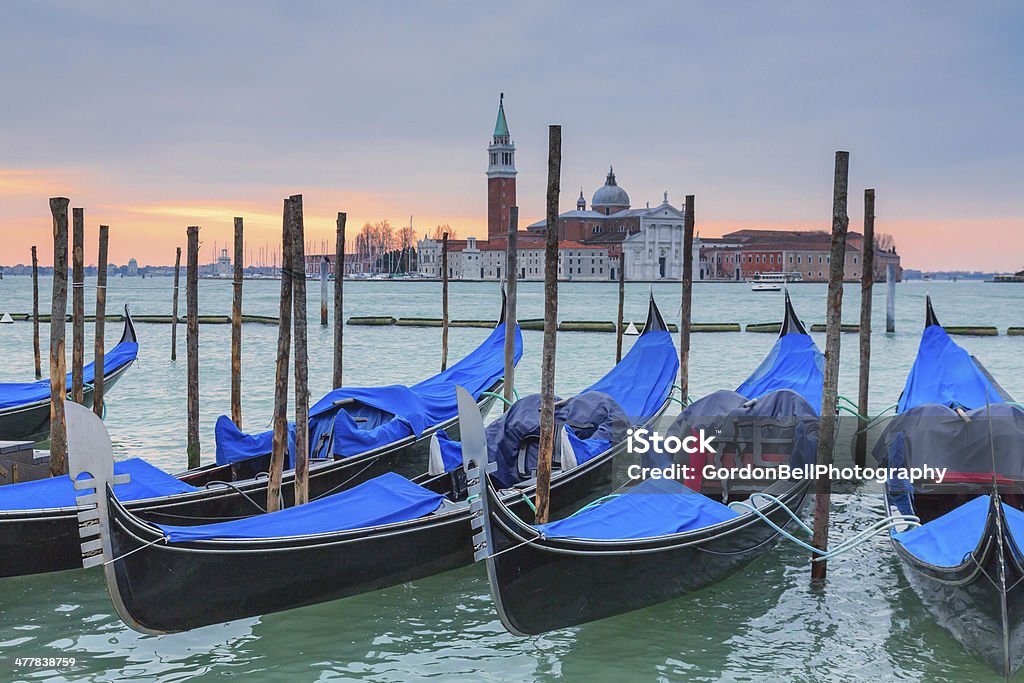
(501, 176)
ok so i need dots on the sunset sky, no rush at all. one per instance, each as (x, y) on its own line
(158, 116)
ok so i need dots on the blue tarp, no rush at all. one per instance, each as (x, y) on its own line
(385, 499)
(944, 373)
(24, 393)
(57, 492)
(642, 380)
(655, 507)
(386, 414)
(945, 541)
(793, 363)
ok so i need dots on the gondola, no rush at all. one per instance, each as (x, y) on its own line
(354, 438)
(663, 538)
(965, 560)
(25, 406)
(384, 532)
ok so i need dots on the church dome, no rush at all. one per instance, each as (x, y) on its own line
(610, 194)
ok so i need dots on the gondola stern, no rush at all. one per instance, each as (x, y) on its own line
(791, 321)
(655, 321)
(929, 313)
(129, 334)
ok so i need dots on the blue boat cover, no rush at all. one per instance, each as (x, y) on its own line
(944, 373)
(793, 363)
(379, 415)
(655, 507)
(24, 393)
(58, 492)
(642, 380)
(947, 540)
(385, 499)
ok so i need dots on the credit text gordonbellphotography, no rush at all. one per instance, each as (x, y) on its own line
(471, 342)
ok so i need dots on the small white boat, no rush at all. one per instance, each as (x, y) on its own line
(773, 282)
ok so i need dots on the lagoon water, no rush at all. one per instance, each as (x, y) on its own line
(764, 623)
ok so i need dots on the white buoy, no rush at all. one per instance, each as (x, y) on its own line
(6, 318)
(631, 330)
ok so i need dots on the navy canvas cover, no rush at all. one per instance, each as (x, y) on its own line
(146, 481)
(24, 393)
(793, 363)
(385, 499)
(944, 373)
(655, 507)
(378, 416)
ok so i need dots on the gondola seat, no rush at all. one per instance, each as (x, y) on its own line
(382, 500)
(655, 507)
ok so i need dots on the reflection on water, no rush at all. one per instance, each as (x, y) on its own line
(765, 623)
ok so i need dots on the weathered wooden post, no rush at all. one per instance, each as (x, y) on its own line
(77, 305)
(101, 321)
(339, 299)
(279, 444)
(301, 357)
(174, 305)
(444, 301)
(826, 430)
(35, 313)
(236, 324)
(547, 370)
(622, 304)
(512, 270)
(890, 297)
(867, 281)
(325, 274)
(58, 316)
(192, 344)
(684, 323)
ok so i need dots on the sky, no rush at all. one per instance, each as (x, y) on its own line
(156, 116)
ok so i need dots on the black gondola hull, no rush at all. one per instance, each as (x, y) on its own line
(40, 541)
(170, 588)
(549, 584)
(979, 602)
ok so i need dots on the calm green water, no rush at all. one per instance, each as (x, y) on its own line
(766, 623)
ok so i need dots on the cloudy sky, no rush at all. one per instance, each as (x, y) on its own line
(158, 116)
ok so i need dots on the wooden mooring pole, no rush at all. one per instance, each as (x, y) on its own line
(512, 270)
(867, 281)
(35, 313)
(325, 276)
(301, 357)
(236, 323)
(100, 325)
(547, 368)
(279, 443)
(686, 316)
(192, 344)
(174, 305)
(339, 299)
(444, 301)
(622, 303)
(890, 297)
(77, 305)
(58, 315)
(826, 430)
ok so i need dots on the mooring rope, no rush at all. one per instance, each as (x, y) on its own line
(130, 552)
(884, 524)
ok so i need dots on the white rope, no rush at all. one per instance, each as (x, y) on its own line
(141, 547)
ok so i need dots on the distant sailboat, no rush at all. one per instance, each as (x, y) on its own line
(631, 330)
